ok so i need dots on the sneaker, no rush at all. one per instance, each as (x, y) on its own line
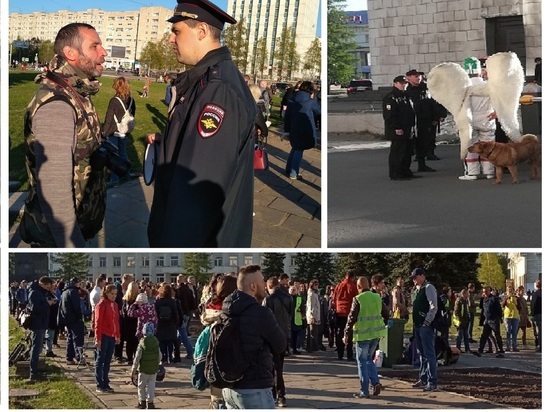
(500, 355)
(515, 350)
(151, 405)
(476, 353)
(419, 384)
(51, 355)
(377, 389)
(430, 387)
(490, 176)
(360, 395)
(109, 389)
(100, 390)
(141, 405)
(467, 177)
(281, 402)
(71, 362)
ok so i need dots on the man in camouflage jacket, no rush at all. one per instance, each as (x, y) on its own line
(66, 202)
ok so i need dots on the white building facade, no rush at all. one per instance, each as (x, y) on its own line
(524, 269)
(129, 30)
(268, 18)
(419, 34)
(165, 267)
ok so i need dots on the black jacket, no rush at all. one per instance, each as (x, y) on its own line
(260, 337)
(536, 302)
(69, 306)
(40, 309)
(398, 114)
(492, 309)
(167, 329)
(204, 183)
(115, 109)
(280, 302)
(186, 299)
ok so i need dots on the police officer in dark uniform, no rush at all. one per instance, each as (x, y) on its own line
(399, 120)
(425, 117)
(204, 165)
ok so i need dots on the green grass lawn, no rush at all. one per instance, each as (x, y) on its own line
(150, 117)
(58, 392)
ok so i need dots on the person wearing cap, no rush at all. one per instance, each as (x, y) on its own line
(538, 70)
(204, 181)
(70, 317)
(483, 125)
(399, 120)
(424, 308)
(145, 365)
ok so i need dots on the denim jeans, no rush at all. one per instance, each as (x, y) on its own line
(248, 398)
(425, 344)
(512, 325)
(103, 361)
(293, 162)
(364, 352)
(120, 143)
(48, 339)
(463, 334)
(37, 340)
(537, 330)
(183, 335)
(75, 339)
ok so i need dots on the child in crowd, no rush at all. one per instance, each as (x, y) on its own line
(146, 364)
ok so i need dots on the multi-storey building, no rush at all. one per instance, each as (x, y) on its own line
(410, 34)
(164, 267)
(358, 21)
(266, 19)
(123, 31)
(524, 269)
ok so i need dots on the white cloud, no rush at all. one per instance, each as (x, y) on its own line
(356, 5)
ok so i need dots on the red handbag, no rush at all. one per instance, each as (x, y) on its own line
(260, 154)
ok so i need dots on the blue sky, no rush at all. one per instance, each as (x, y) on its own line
(30, 6)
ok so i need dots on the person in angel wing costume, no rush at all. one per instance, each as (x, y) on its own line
(475, 103)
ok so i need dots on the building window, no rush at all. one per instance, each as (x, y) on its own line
(130, 261)
(116, 277)
(102, 262)
(116, 261)
(160, 279)
(145, 261)
(233, 261)
(174, 261)
(173, 278)
(293, 260)
(160, 262)
(248, 260)
(145, 278)
(218, 261)
(90, 262)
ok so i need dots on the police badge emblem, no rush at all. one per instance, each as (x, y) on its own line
(210, 120)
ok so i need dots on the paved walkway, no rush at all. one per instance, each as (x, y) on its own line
(313, 381)
(287, 212)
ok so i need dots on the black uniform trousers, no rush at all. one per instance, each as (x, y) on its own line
(401, 150)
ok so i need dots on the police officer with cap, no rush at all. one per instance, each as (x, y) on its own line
(399, 123)
(204, 161)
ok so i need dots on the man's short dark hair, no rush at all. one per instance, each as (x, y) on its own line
(376, 279)
(350, 273)
(272, 282)
(45, 280)
(70, 35)
(284, 276)
(245, 270)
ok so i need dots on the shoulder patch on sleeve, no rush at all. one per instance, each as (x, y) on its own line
(210, 120)
(388, 106)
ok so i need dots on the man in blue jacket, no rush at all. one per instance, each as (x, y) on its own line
(70, 317)
(40, 315)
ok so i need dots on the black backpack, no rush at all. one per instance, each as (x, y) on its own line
(165, 312)
(440, 322)
(225, 362)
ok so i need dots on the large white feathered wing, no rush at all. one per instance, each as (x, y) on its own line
(505, 82)
(448, 84)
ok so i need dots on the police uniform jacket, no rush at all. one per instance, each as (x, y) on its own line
(398, 114)
(204, 171)
(424, 105)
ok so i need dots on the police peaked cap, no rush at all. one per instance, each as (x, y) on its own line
(201, 10)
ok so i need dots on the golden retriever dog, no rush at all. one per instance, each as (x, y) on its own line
(510, 154)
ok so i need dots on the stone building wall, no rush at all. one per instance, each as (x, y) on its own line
(407, 34)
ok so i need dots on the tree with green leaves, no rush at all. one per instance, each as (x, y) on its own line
(341, 45)
(318, 266)
(159, 55)
(273, 264)
(199, 265)
(286, 58)
(312, 60)
(490, 271)
(45, 51)
(260, 58)
(70, 265)
(236, 39)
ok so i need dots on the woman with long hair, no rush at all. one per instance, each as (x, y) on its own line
(118, 105)
(129, 326)
(511, 319)
(107, 334)
(168, 322)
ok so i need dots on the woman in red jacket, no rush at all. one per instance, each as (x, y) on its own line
(107, 334)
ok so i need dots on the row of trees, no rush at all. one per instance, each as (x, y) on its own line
(454, 269)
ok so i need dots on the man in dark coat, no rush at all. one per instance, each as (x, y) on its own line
(280, 302)
(40, 315)
(70, 317)
(399, 122)
(492, 310)
(204, 176)
(261, 337)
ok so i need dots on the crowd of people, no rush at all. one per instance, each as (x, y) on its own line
(350, 316)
